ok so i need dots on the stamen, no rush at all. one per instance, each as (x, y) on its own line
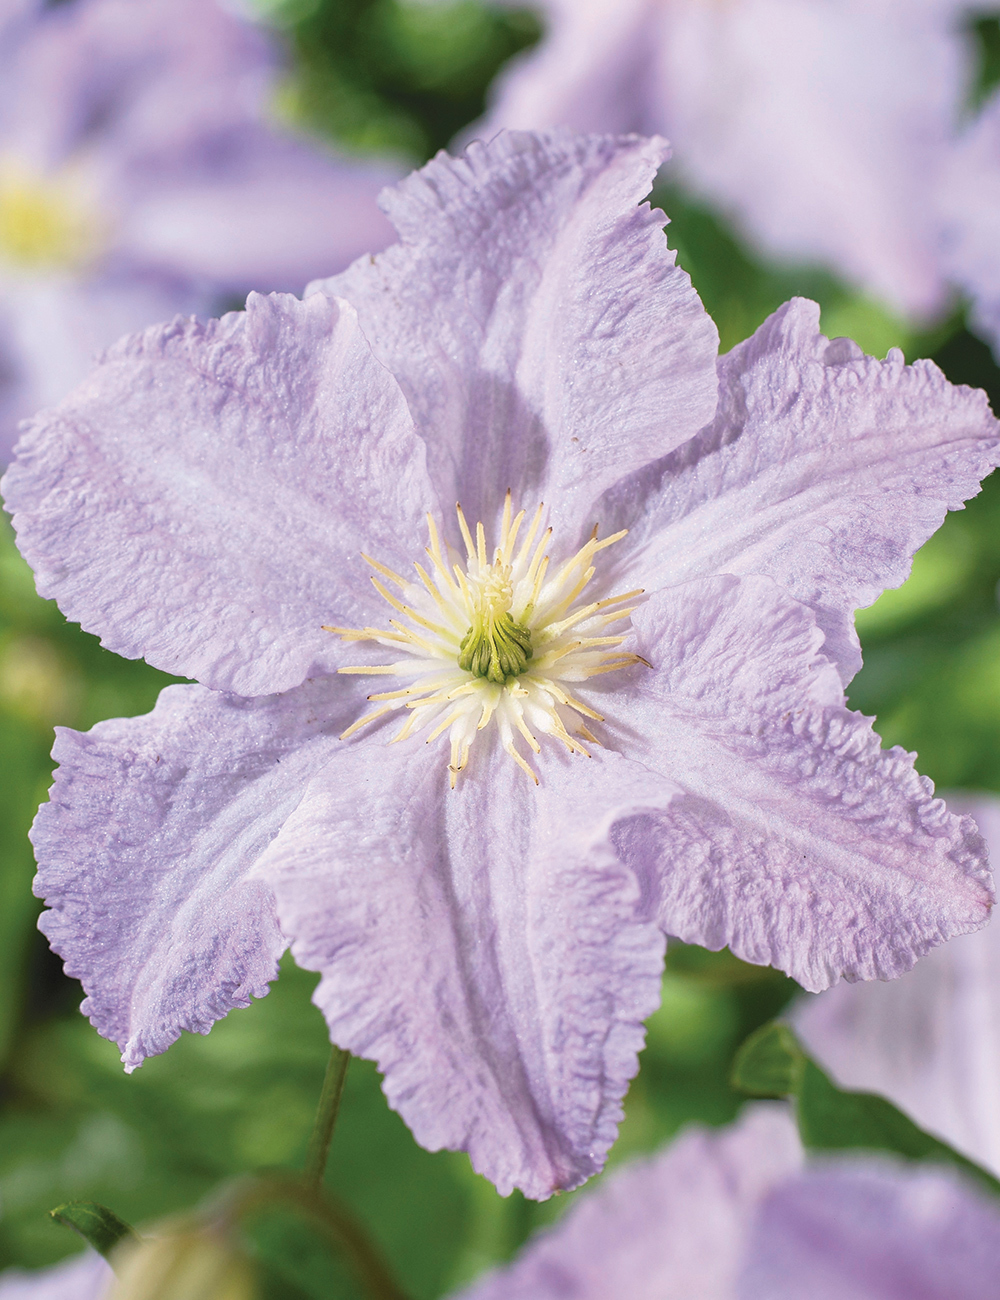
(401, 583)
(363, 722)
(526, 544)
(466, 535)
(407, 610)
(512, 751)
(522, 728)
(494, 641)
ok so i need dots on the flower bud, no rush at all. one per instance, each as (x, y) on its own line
(186, 1263)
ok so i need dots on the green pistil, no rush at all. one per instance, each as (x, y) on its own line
(497, 649)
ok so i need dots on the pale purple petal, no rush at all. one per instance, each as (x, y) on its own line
(971, 197)
(224, 479)
(798, 841)
(154, 117)
(133, 85)
(14, 17)
(84, 1277)
(146, 847)
(823, 129)
(929, 1041)
(52, 328)
(484, 945)
(269, 215)
(874, 1231)
(673, 1227)
(590, 72)
(536, 322)
(824, 469)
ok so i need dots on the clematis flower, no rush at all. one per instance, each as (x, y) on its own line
(140, 175)
(930, 1041)
(823, 128)
(83, 1277)
(733, 1215)
(13, 13)
(579, 738)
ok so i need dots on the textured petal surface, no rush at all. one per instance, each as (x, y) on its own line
(929, 1041)
(874, 1231)
(535, 319)
(482, 944)
(823, 128)
(85, 1277)
(669, 1228)
(203, 498)
(824, 469)
(798, 841)
(146, 847)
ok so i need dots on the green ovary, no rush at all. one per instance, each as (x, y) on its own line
(495, 647)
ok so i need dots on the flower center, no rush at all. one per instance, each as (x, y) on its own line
(495, 640)
(495, 647)
(43, 224)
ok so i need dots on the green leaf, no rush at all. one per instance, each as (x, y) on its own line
(96, 1224)
(773, 1063)
(770, 1062)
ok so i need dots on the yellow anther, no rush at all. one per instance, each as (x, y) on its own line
(495, 641)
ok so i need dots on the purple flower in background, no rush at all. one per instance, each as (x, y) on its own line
(15, 12)
(931, 1040)
(599, 738)
(671, 1227)
(732, 1215)
(140, 175)
(822, 127)
(724, 1215)
(972, 198)
(84, 1277)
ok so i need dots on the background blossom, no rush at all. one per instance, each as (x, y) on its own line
(735, 1216)
(972, 198)
(141, 173)
(927, 1042)
(83, 1277)
(823, 129)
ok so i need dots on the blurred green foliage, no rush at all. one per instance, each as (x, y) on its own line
(399, 76)
(405, 75)
(984, 34)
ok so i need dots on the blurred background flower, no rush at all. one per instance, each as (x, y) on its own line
(398, 79)
(930, 1041)
(143, 172)
(825, 130)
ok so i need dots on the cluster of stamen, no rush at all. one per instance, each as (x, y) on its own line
(45, 224)
(495, 640)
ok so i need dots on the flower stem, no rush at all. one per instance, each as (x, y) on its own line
(326, 1116)
(243, 1199)
(360, 1252)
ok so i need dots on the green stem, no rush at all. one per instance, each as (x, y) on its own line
(347, 1237)
(326, 1117)
(347, 1234)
